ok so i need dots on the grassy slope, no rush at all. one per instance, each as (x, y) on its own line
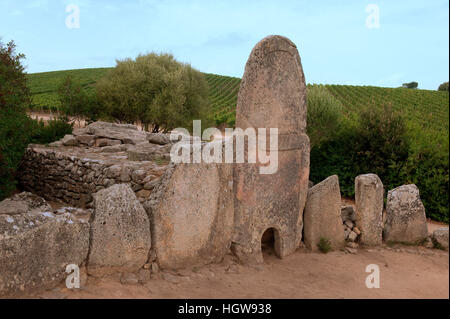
(426, 112)
(43, 86)
(427, 109)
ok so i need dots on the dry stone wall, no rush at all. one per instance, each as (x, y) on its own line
(71, 172)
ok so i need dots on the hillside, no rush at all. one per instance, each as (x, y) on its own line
(426, 113)
(424, 109)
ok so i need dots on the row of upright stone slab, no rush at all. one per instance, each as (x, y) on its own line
(403, 221)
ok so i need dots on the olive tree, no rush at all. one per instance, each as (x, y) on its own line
(156, 90)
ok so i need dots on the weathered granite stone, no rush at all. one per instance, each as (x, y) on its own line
(37, 245)
(85, 139)
(120, 232)
(440, 238)
(69, 140)
(126, 133)
(114, 148)
(148, 152)
(56, 144)
(272, 95)
(405, 216)
(80, 131)
(369, 195)
(352, 236)
(102, 142)
(322, 217)
(158, 138)
(24, 202)
(348, 213)
(191, 214)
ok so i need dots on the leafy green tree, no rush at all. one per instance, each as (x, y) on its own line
(17, 130)
(74, 100)
(14, 92)
(156, 90)
(411, 85)
(443, 87)
(14, 123)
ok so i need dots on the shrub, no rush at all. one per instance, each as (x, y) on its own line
(377, 143)
(324, 245)
(324, 114)
(54, 130)
(443, 87)
(381, 143)
(155, 90)
(15, 131)
(411, 85)
(428, 168)
(73, 98)
(7, 184)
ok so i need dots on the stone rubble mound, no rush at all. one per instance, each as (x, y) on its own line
(348, 216)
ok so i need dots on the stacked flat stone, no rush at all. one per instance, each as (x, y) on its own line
(102, 154)
(348, 216)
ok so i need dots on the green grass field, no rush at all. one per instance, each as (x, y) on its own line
(44, 86)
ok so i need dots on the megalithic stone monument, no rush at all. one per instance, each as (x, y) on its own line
(272, 95)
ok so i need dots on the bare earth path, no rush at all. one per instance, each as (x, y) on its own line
(405, 272)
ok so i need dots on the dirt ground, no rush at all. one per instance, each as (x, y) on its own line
(405, 272)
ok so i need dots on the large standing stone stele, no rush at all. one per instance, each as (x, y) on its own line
(192, 215)
(405, 216)
(120, 232)
(369, 195)
(272, 95)
(323, 215)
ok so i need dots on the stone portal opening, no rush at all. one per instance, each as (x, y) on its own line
(270, 242)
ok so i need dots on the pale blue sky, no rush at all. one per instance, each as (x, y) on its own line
(336, 47)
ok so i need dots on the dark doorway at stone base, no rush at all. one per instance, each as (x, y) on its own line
(269, 244)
